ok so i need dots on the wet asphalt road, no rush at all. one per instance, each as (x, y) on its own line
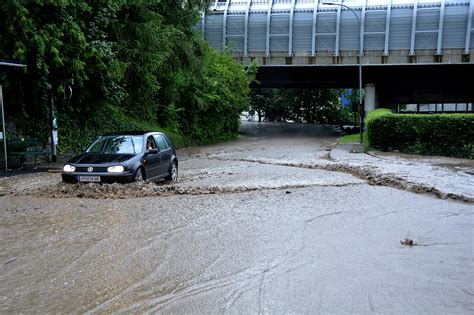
(267, 238)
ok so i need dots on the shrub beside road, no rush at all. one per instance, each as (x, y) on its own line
(438, 134)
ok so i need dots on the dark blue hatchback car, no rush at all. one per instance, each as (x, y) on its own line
(124, 157)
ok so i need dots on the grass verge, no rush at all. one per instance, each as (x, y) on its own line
(355, 138)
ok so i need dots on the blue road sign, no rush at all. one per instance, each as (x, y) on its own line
(346, 98)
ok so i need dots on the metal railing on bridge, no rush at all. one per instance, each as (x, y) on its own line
(399, 29)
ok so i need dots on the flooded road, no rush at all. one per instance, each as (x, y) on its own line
(250, 228)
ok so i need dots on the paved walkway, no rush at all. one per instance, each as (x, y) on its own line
(446, 177)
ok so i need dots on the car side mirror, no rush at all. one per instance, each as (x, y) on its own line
(152, 151)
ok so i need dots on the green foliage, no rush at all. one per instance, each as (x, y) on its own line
(225, 90)
(350, 114)
(105, 119)
(299, 105)
(374, 114)
(438, 134)
(131, 64)
(354, 138)
(347, 116)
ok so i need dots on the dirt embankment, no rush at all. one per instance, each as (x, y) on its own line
(374, 178)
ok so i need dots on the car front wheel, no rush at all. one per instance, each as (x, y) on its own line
(139, 175)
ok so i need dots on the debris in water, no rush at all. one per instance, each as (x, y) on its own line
(10, 261)
(408, 242)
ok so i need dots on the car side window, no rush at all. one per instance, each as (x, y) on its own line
(162, 144)
(150, 143)
(167, 141)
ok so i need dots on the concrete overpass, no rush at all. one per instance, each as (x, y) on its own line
(410, 50)
(387, 85)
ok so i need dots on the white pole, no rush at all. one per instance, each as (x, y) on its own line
(4, 133)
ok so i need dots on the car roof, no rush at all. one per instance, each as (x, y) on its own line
(131, 133)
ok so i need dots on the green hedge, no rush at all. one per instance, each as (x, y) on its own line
(75, 136)
(427, 134)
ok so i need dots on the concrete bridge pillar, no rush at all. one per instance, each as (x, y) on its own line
(370, 97)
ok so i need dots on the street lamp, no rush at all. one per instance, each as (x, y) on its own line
(361, 109)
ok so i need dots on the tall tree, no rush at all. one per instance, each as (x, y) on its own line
(131, 63)
(300, 105)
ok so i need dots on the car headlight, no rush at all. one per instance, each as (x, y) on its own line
(115, 169)
(69, 168)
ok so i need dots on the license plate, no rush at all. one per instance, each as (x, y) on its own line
(89, 178)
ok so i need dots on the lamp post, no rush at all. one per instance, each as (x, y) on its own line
(361, 108)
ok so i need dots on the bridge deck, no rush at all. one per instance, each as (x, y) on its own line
(279, 32)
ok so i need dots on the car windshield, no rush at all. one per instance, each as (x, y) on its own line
(117, 145)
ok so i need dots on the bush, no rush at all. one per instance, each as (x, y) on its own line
(437, 134)
(374, 114)
(76, 135)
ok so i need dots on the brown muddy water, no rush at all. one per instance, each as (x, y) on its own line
(240, 233)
